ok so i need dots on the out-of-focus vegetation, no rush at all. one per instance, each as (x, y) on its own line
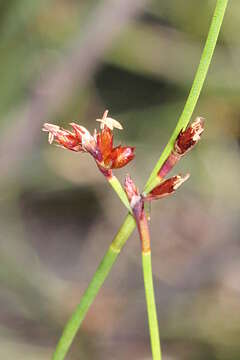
(69, 60)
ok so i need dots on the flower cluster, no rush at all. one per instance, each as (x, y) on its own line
(165, 188)
(99, 145)
(184, 142)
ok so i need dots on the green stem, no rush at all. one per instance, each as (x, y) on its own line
(116, 185)
(196, 88)
(143, 230)
(151, 306)
(72, 326)
(88, 297)
(129, 223)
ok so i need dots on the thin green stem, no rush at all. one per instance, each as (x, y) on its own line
(117, 187)
(144, 234)
(129, 223)
(197, 85)
(151, 305)
(72, 327)
(88, 297)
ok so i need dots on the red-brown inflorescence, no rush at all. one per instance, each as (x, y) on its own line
(185, 141)
(136, 200)
(167, 187)
(188, 138)
(99, 145)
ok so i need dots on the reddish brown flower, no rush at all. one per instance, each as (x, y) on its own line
(105, 143)
(100, 145)
(185, 141)
(189, 137)
(62, 137)
(120, 156)
(137, 201)
(167, 187)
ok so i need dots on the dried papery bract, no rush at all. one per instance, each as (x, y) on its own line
(137, 204)
(134, 197)
(131, 190)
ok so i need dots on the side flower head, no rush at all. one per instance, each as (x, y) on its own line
(185, 141)
(167, 187)
(188, 138)
(99, 145)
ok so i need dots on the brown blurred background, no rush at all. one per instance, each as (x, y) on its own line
(68, 60)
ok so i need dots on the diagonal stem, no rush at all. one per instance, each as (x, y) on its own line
(93, 288)
(72, 327)
(129, 223)
(197, 85)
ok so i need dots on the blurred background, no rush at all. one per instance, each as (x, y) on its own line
(69, 60)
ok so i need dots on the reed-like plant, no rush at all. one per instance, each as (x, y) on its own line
(108, 158)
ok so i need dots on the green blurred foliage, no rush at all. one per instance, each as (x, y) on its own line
(58, 215)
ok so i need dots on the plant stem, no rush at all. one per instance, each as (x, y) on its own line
(196, 88)
(143, 229)
(72, 326)
(151, 306)
(89, 295)
(117, 187)
(129, 223)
